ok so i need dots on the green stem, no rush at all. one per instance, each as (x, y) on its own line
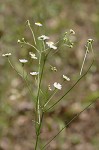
(40, 78)
(27, 43)
(38, 132)
(84, 61)
(39, 84)
(39, 87)
(14, 67)
(50, 97)
(31, 31)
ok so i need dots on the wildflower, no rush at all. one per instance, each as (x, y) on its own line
(34, 73)
(49, 88)
(51, 45)
(70, 46)
(90, 40)
(43, 37)
(72, 31)
(53, 68)
(6, 55)
(57, 85)
(23, 61)
(32, 55)
(23, 39)
(38, 24)
(66, 78)
(18, 41)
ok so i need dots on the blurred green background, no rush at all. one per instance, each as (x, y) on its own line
(16, 107)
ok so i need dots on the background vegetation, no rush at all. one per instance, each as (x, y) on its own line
(16, 107)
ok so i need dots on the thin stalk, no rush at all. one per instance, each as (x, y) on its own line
(75, 117)
(14, 67)
(27, 43)
(44, 45)
(38, 133)
(83, 61)
(39, 110)
(70, 88)
(23, 70)
(31, 31)
(32, 46)
(42, 92)
(49, 99)
(37, 103)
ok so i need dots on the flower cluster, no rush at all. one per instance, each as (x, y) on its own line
(67, 38)
(33, 56)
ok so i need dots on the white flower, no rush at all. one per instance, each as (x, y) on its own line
(34, 73)
(49, 88)
(57, 85)
(72, 31)
(90, 40)
(23, 39)
(66, 78)
(18, 41)
(32, 55)
(43, 37)
(53, 68)
(6, 55)
(38, 24)
(23, 60)
(51, 45)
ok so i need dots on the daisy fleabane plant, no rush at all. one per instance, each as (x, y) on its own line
(39, 54)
